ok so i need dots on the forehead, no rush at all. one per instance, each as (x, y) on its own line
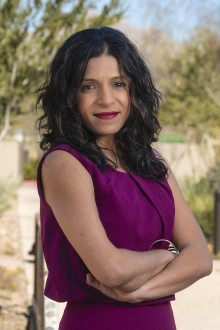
(104, 65)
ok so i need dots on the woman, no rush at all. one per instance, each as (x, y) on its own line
(106, 196)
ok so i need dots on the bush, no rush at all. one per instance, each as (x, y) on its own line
(30, 169)
(7, 188)
(213, 176)
(200, 198)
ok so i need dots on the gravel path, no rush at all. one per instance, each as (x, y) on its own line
(13, 293)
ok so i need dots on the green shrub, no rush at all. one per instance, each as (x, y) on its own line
(7, 189)
(200, 198)
(213, 176)
(30, 169)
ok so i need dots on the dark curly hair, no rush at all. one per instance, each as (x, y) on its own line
(58, 97)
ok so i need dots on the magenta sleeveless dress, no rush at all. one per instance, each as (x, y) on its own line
(135, 212)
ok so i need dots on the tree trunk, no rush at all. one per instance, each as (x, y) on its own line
(9, 103)
(6, 121)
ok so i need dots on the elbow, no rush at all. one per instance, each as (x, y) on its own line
(206, 266)
(110, 272)
(113, 276)
(201, 262)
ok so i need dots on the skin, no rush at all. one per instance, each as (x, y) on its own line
(128, 276)
(104, 90)
(193, 263)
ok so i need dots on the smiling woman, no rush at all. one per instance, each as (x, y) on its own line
(101, 227)
(75, 81)
(104, 102)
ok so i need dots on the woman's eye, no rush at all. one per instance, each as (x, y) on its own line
(120, 84)
(87, 87)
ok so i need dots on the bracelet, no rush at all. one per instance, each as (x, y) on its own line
(171, 247)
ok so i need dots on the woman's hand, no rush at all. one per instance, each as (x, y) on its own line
(130, 297)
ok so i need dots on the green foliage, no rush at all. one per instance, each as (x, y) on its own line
(30, 34)
(191, 92)
(214, 176)
(201, 201)
(30, 169)
(7, 188)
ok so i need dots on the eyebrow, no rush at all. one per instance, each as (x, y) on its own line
(113, 78)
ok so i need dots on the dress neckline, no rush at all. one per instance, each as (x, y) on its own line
(118, 170)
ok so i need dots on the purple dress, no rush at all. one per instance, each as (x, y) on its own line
(135, 212)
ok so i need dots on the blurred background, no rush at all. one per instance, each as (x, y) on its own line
(179, 40)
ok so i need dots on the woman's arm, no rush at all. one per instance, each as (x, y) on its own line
(193, 263)
(69, 191)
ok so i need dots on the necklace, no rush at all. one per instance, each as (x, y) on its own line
(118, 160)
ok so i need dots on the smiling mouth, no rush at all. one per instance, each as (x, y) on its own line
(106, 115)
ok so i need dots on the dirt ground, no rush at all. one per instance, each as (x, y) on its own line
(13, 293)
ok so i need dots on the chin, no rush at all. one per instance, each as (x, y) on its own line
(106, 131)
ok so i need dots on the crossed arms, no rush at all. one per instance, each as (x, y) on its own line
(128, 275)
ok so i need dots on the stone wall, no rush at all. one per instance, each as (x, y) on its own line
(12, 157)
(184, 160)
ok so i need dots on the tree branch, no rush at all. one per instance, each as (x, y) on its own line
(212, 96)
(9, 102)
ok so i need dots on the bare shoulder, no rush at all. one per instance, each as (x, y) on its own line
(69, 190)
(173, 182)
(60, 160)
(64, 178)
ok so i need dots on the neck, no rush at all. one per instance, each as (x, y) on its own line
(108, 146)
(106, 142)
(109, 149)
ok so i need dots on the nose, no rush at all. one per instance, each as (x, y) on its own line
(106, 96)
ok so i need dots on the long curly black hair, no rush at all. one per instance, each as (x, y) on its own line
(58, 97)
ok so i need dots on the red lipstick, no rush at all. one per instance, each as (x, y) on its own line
(106, 115)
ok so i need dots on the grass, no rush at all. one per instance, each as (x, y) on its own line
(172, 137)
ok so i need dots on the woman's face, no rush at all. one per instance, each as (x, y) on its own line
(104, 103)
